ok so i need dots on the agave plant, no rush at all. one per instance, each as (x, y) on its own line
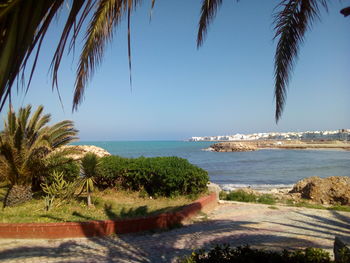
(89, 169)
(26, 143)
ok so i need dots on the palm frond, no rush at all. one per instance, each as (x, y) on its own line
(291, 23)
(9, 161)
(23, 25)
(208, 12)
(62, 133)
(73, 22)
(153, 2)
(100, 30)
(33, 123)
(27, 141)
(345, 11)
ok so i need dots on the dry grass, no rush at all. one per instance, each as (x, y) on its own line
(109, 204)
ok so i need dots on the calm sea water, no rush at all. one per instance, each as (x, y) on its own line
(259, 169)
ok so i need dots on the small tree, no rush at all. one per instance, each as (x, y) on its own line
(89, 169)
(26, 143)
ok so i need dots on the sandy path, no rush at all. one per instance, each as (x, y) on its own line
(234, 223)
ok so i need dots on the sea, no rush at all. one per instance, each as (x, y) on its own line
(261, 170)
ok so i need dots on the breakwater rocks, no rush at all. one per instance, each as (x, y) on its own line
(233, 147)
(242, 146)
(81, 150)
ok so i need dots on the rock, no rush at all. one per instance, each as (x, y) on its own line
(341, 251)
(81, 150)
(331, 190)
(234, 147)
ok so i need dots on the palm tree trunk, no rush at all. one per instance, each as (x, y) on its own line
(89, 203)
(18, 194)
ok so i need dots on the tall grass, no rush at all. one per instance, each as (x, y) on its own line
(242, 196)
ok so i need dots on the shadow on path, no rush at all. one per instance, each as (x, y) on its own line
(277, 230)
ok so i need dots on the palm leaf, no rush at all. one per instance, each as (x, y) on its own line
(345, 11)
(208, 12)
(107, 16)
(153, 2)
(23, 25)
(291, 23)
(71, 22)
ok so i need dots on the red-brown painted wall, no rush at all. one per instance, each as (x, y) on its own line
(106, 227)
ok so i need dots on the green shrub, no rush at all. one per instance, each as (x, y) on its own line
(266, 199)
(58, 188)
(69, 168)
(113, 169)
(159, 176)
(58, 164)
(167, 176)
(242, 196)
(248, 255)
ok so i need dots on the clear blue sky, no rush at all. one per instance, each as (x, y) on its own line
(225, 87)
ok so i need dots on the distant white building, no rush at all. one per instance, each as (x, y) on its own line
(342, 134)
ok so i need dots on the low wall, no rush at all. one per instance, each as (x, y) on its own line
(106, 227)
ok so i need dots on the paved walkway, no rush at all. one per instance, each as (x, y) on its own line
(235, 223)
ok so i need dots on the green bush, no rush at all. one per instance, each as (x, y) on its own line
(69, 168)
(248, 255)
(242, 196)
(159, 176)
(112, 171)
(266, 199)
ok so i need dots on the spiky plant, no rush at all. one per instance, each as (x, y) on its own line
(26, 143)
(89, 169)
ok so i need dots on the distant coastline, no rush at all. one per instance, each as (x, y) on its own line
(243, 146)
(335, 135)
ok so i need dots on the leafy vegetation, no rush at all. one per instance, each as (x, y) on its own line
(113, 170)
(26, 145)
(32, 158)
(159, 176)
(242, 196)
(89, 170)
(246, 254)
(58, 188)
(269, 199)
(69, 167)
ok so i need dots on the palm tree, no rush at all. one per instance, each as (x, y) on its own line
(24, 23)
(89, 169)
(26, 143)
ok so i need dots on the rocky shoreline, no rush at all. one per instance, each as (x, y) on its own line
(243, 146)
(334, 190)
